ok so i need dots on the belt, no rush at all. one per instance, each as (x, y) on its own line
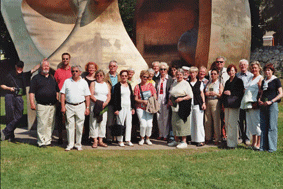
(75, 104)
(46, 104)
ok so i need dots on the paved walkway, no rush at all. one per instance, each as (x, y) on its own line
(30, 137)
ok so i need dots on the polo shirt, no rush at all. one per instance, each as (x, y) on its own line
(21, 80)
(114, 81)
(75, 91)
(44, 88)
(61, 75)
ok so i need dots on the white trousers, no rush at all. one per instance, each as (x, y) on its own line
(75, 117)
(197, 127)
(45, 115)
(253, 121)
(125, 116)
(145, 119)
(163, 121)
(97, 129)
(231, 124)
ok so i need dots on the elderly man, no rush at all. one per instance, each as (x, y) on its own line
(246, 76)
(186, 72)
(75, 103)
(155, 67)
(45, 90)
(15, 83)
(61, 74)
(112, 77)
(201, 75)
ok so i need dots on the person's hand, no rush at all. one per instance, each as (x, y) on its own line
(203, 107)
(93, 99)
(116, 113)
(87, 111)
(267, 103)
(133, 111)
(32, 106)
(213, 93)
(12, 89)
(227, 92)
(260, 102)
(179, 99)
(104, 105)
(170, 103)
(145, 102)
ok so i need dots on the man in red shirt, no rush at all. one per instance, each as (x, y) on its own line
(61, 74)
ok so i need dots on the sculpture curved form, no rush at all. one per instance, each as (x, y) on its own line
(90, 30)
(196, 31)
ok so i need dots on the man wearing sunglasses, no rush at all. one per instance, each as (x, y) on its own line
(75, 99)
(61, 74)
(15, 84)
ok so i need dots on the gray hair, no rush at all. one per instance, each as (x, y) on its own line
(99, 71)
(43, 62)
(155, 62)
(202, 67)
(150, 70)
(180, 70)
(77, 66)
(222, 58)
(131, 69)
(113, 61)
(193, 69)
(164, 64)
(244, 61)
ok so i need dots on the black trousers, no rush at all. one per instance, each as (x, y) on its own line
(243, 125)
(14, 107)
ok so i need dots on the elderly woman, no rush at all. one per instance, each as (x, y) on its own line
(250, 105)
(201, 75)
(142, 92)
(163, 85)
(124, 106)
(198, 107)
(271, 95)
(213, 92)
(180, 95)
(89, 76)
(100, 97)
(131, 73)
(232, 96)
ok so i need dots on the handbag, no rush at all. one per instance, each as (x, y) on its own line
(152, 106)
(232, 102)
(255, 105)
(118, 129)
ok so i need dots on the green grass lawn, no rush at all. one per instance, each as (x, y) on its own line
(27, 166)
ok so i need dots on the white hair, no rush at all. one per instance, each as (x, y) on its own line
(244, 61)
(113, 61)
(131, 69)
(155, 62)
(77, 66)
(164, 64)
(150, 70)
(222, 58)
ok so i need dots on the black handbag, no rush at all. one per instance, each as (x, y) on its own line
(118, 129)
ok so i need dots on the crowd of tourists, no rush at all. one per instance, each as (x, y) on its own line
(186, 105)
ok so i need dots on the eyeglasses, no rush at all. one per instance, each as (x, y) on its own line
(65, 58)
(219, 61)
(99, 76)
(75, 71)
(124, 75)
(213, 73)
(163, 69)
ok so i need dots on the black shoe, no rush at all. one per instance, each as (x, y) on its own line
(42, 146)
(109, 141)
(60, 141)
(199, 144)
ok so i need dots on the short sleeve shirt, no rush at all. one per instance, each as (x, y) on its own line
(21, 81)
(61, 75)
(148, 90)
(270, 89)
(75, 91)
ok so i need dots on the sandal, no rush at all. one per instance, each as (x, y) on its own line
(94, 145)
(200, 144)
(102, 144)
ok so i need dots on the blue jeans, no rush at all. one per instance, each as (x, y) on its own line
(268, 126)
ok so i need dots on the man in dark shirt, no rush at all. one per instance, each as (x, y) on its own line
(46, 92)
(15, 83)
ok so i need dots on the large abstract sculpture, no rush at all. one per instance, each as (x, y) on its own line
(90, 30)
(196, 31)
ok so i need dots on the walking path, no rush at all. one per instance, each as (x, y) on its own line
(24, 136)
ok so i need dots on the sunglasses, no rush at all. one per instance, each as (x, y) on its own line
(219, 61)
(213, 73)
(163, 69)
(145, 77)
(65, 58)
(124, 75)
(74, 71)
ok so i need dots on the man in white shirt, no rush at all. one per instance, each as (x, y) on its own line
(155, 67)
(75, 103)
(246, 76)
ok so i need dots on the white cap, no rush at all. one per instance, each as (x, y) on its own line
(186, 68)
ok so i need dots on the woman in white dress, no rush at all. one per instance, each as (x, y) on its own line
(100, 94)
(249, 103)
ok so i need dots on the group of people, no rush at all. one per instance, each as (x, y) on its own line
(208, 106)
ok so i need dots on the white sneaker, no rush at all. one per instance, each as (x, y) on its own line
(173, 144)
(182, 145)
(121, 144)
(148, 142)
(68, 149)
(130, 144)
(79, 148)
(141, 142)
